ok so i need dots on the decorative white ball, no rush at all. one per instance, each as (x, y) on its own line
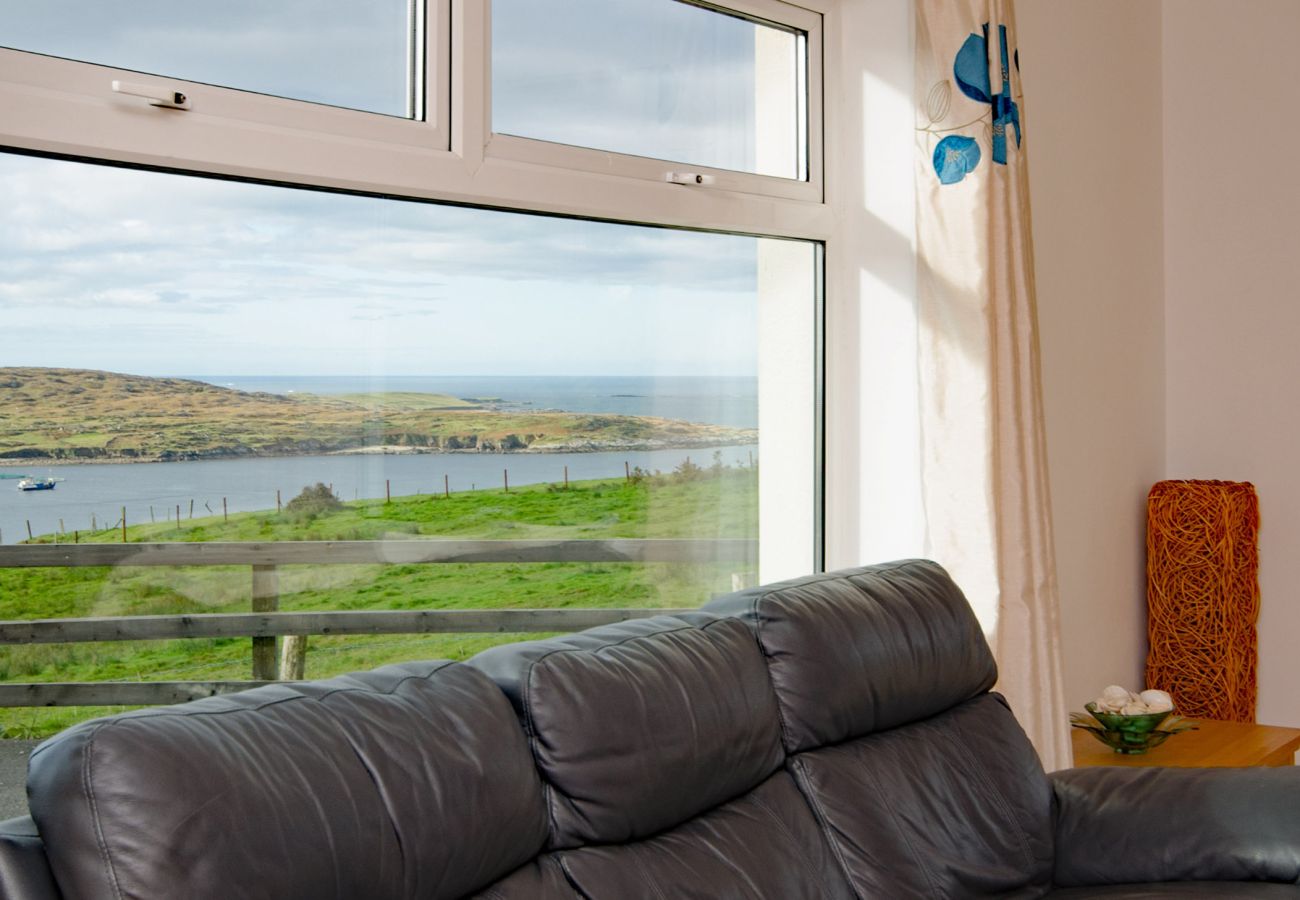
(1157, 701)
(1114, 698)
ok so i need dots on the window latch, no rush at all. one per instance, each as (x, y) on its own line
(157, 96)
(688, 178)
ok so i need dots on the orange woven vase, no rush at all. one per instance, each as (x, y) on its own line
(1203, 596)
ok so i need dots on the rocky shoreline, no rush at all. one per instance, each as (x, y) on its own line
(100, 457)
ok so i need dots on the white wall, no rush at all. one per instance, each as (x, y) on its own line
(1092, 77)
(1232, 217)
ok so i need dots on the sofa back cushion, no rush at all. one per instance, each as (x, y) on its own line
(659, 747)
(863, 650)
(412, 780)
(763, 845)
(639, 726)
(956, 805)
(924, 782)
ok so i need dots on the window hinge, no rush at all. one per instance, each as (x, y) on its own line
(157, 96)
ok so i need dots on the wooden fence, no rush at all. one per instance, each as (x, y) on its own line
(264, 624)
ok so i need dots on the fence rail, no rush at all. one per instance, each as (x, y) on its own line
(399, 552)
(344, 622)
(264, 624)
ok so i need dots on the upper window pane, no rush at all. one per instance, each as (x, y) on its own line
(656, 78)
(338, 52)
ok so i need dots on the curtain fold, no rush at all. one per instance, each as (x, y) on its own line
(984, 462)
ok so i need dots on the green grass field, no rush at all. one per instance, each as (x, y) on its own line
(703, 503)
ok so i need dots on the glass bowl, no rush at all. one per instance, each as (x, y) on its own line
(1130, 734)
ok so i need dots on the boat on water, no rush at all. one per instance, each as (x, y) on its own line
(37, 484)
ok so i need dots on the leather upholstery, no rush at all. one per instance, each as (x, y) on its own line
(1116, 825)
(341, 789)
(638, 726)
(952, 806)
(829, 738)
(540, 879)
(1202, 890)
(764, 845)
(863, 650)
(659, 744)
(925, 782)
(24, 869)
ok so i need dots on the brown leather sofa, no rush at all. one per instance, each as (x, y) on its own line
(830, 737)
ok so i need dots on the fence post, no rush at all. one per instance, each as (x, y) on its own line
(293, 657)
(266, 598)
(446, 486)
(225, 513)
(566, 478)
(743, 580)
(124, 524)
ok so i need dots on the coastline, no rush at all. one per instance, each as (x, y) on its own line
(35, 462)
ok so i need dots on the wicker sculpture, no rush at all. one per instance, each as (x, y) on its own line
(1203, 596)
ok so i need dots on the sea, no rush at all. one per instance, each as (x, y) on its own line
(95, 495)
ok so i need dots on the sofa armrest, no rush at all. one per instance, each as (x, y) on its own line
(24, 870)
(1120, 825)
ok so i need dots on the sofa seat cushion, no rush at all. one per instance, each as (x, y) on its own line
(1210, 890)
(952, 806)
(638, 727)
(408, 781)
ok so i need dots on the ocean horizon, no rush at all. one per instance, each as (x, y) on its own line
(730, 400)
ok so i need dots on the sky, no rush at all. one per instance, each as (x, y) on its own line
(156, 274)
(153, 274)
(352, 53)
(649, 77)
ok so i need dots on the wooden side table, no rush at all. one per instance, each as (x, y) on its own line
(1212, 744)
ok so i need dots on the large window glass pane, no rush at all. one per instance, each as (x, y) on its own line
(199, 361)
(656, 78)
(338, 52)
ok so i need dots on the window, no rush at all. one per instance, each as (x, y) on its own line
(357, 55)
(397, 334)
(673, 81)
(702, 94)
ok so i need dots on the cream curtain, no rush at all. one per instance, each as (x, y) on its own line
(984, 467)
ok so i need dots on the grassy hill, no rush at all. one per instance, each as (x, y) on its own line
(692, 503)
(77, 414)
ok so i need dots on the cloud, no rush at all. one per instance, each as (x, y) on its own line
(169, 273)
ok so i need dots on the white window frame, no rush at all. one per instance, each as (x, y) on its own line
(68, 108)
